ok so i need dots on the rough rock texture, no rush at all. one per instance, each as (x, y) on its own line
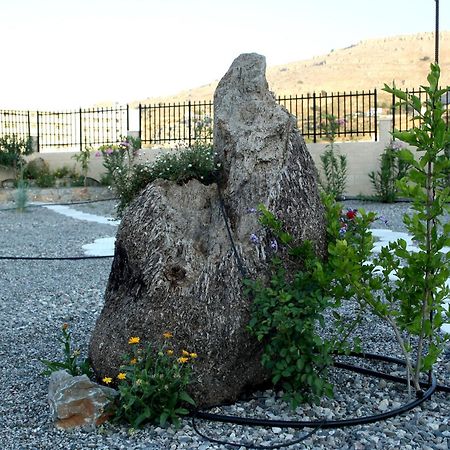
(77, 401)
(174, 267)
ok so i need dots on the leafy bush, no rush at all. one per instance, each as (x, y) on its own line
(62, 172)
(46, 180)
(180, 165)
(83, 158)
(36, 168)
(392, 169)
(152, 384)
(12, 151)
(286, 314)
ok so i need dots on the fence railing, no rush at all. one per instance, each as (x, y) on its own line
(15, 123)
(169, 123)
(85, 127)
(403, 117)
(172, 122)
(71, 130)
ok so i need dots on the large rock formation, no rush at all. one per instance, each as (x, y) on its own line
(174, 267)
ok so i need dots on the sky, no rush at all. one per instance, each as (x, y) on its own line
(64, 54)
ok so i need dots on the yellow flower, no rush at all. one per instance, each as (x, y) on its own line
(134, 340)
(107, 380)
(167, 335)
(133, 361)
(169, 352)
(185, 353)
(193, 355)
(122, 376)
(182, 360)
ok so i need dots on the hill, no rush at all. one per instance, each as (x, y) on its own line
(363, 66)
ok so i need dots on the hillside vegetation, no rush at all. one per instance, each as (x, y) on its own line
(363, 66)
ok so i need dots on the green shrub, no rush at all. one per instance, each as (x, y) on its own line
(179, 165)
(287, 313)
(334, 165)
(12, 152)
(36, 168)
(61, 172)
(46, 180)
(392, 169)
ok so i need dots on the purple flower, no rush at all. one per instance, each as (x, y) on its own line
(109, 151)
(254, 239)
(125, 144)
(397, 145)
(342, 231)
(98, 154)
(274, 245)
(341, 122)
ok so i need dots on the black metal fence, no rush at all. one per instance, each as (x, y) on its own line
(169, 123)
(172, 122)
(402, 116)
(85, 127)
(15, 123)
(357, 111)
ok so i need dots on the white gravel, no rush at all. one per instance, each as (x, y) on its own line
(36, 297)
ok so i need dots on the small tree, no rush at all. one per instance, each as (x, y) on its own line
(392, 169)
(12, 152)
(334, 165)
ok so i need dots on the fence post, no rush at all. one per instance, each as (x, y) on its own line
(38, 137)
(314, 119)
(376, 115)
(393, 112)
(29, 124)
(81, 132)
(128, 117)
(189, 124)
(140, 122)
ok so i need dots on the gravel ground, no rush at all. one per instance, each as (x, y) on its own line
(36, 297)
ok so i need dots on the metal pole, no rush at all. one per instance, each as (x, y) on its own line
(436, 35)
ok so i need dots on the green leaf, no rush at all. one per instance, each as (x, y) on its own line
(185, 397)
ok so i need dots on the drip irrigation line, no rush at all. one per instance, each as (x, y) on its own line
(239, 262)
(251, 421)
(251, 445)
(61, 204)
(52, 258)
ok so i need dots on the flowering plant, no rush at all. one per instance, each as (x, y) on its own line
(152, 384)
(71, 361)
(118, 160)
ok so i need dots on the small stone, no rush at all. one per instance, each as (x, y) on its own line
(384, 405)
(276, 430)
